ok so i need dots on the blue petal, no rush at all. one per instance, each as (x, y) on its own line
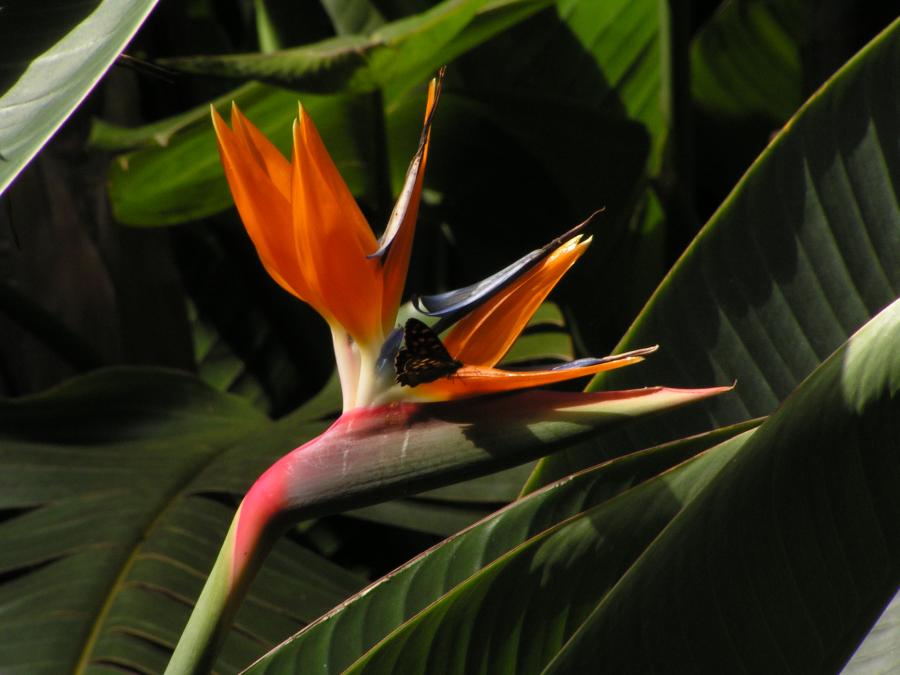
(388, 351)
(450, 306)
(581, 363)
(409, 184)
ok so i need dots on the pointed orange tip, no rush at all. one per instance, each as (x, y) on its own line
(217, 120)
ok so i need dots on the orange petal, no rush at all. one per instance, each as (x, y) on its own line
(484, 336)
(474, 381)
(332, 238)
(266, 154)
(396, 260)
(356, 228)
(265, 212)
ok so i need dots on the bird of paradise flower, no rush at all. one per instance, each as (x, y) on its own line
(315, 242)
(406, 423)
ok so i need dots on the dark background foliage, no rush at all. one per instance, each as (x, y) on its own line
(530, 138)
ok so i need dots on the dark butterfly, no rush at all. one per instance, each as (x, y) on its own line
(423, 358)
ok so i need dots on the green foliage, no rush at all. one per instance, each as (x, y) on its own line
(765, 81)
(391, 58)
(800, 255)
(114, 514)
(404, 599)
(45, 76)
(709, 539)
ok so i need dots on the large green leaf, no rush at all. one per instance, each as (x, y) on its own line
(55, 51)
(804, 250)
(117, 489)
(583, 89)
(879, 652)
(607, 55)
(752, 64)
(342, 636)
(392, 57)
(184, 179)
(787, 558)
(111, 518)
(746, 60)
(179, 176)
(684, 572)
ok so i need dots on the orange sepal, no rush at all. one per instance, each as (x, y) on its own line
(471, 381)
(484, 336)
(265, 212)
(332, 238)
(266, 154)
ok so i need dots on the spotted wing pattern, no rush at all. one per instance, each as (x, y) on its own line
(423, 358)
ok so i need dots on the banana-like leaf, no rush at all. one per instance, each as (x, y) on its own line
(746, 60)
(184, 179)
(114, 501)
(107, 136)
(880, 651)
(345, 634)
(393, 57)
(774, 551)
(786, 559)
(800, 255)
(54, 53)
(117, 488)
(606, 55)
(585, 90)
(353, 16)
(219, 366)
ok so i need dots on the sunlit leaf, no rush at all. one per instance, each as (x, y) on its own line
(800, 255)
(55, 52)
(345, 634)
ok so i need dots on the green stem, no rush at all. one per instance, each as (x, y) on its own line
(219, 600)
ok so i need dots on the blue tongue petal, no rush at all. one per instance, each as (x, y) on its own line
(398, 215)
(580, 363)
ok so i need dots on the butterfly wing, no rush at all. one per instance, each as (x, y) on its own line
(401, 366)
(422, 342)
(424, 357)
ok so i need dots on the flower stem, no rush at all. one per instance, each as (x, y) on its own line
(369, 380)
(246, 546)
(348, 366)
